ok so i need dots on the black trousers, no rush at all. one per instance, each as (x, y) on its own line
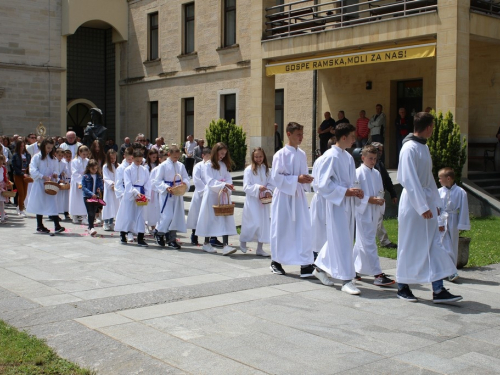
(91, 211)
(39, 221)
(189, 163)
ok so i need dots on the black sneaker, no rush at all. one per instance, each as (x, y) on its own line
(160, 241)
(383, 280)
(445, 297)
(307, 271)
(42, 230)
(357, 277)
(194, 239)
(216, 243)
(123, 239)
(59, 229)
(174, 245)
(406, 294)
(277, 269)
(391, 246)
(315, 254)
(142, 243)
(67, 217)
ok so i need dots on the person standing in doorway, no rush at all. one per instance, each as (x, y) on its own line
(189, 151)
(278, 142)
(324, 132)
(404, 125)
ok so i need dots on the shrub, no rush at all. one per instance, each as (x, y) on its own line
(446, 146)
(233, 136)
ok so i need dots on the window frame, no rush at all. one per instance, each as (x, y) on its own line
(153, 133)
(187, 19)
(153, 29)
(226, 11)
(185, 116)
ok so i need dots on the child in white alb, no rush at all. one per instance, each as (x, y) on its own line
(112, 202)
(128, 158)
(77, 207)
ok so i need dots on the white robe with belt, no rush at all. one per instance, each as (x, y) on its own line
(41, 203)
(119, 180)
(199, 187)
(366, 260)
(255, 222)
(112, 203)
(63, 195)
(337, 173)
(208, 224)
(130, 216)
(153, 208)
(290, 220)
(172, 215)
(455, 204)
(421, 256)
(318, 212)
(76, 203)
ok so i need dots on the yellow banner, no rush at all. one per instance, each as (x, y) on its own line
(351, 59)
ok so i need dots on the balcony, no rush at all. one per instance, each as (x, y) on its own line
(488, 7)
(304, 17)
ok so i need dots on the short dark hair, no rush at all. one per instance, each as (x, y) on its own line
(422, 121)
(138, 153)
(292, 126)
(344, 129)
(447, 172)
(369, 149)
(206, 151)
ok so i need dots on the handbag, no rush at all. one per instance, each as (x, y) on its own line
(99, 202)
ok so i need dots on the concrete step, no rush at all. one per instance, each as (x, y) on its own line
(478, 176)
(487, 182)
(493, 190)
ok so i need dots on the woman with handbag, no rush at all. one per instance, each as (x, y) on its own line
(20, 163)
(92, 188)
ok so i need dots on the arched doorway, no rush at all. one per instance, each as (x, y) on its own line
(78, 115)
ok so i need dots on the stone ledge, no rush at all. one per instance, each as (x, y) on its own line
(228, 49)
(188, 56)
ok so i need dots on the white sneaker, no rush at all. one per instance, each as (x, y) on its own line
(112, 227)
(243, 247)
(208, 248)
(323, 277)
(18, 211)
(93, 232)
(350, 288)
(85, 221)
(97, 221)
(261, 253)
(228, 250)
(106, 227)
(130, 237)
(76, 219)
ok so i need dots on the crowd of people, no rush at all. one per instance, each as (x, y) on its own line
(144, 193)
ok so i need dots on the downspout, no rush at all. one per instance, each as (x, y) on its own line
(314, 111)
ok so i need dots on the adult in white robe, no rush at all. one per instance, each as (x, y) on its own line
(172, 217)
(208, 224)
(76, 203)
(199, 188)
(337, 173)
(130, 216)
(421, 256)
(41, 203)
(110, 210)
(255, 221)
(290, 220)
(455, 204)
(366, 259)
(318, 212)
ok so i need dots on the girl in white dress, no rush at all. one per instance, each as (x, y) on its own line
(152, 214)
(77, 207)
(217, 178)
(256, 222)
(43, 168)
(112, 202)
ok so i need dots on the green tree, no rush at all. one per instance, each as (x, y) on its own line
(233, 136)
(447, 147)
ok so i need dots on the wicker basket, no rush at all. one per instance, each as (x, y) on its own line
(51, 188)
(141, 201)
(178, 189)
(262, 197)
(64, 186)
(224, 209)
(9, 193)
(28, 179)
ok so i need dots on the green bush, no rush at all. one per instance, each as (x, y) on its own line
(233, 136)
(446, 146)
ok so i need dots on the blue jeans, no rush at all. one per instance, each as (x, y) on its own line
(437, 286)
(109, 221)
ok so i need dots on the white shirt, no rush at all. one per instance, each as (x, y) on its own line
(189, 146)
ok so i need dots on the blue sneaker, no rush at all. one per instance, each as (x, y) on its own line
(216, 243)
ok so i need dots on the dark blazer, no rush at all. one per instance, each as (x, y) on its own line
(88, 185)
(17, 163)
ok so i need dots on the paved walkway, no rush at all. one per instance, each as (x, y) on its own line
(129, 310)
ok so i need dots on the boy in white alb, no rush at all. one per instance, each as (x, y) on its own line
(172, 219)
(454, 214)
(128, 158)
(290, 220)
(368, 212)
(421, 256)
(337, 185)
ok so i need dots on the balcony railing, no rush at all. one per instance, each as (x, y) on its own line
(489, 7)
(301, 17)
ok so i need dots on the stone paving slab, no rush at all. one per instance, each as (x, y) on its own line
(129, 310)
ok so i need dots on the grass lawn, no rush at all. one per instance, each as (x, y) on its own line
(484, 234)
(21, 353)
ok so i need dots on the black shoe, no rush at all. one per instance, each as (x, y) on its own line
(391, 246)
(406, 294)
(307, 271)
(383, 280)
(445, 297)
(194, 240)
(277, 269)
(357, 277)
(174, 245)
(42, 230)
(216, 243)
(123, 238)
(59, 229)
(160, 241)
(142, 243)
(315, 254)
(67, 217)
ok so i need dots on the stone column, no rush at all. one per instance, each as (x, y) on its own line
(452, 62)
(261, 87)
(64, 86)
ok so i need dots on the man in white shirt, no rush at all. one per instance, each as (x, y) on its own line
(71, 143)
(189, 151)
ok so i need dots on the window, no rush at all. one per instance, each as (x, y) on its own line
(188, 116)
(229, 107)
(279, 109)
(153, 36)
(229, 22)
(189, 28)
(153, 121)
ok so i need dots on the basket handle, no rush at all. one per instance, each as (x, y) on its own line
(262, 194)
(173, 183)
(224, 190)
